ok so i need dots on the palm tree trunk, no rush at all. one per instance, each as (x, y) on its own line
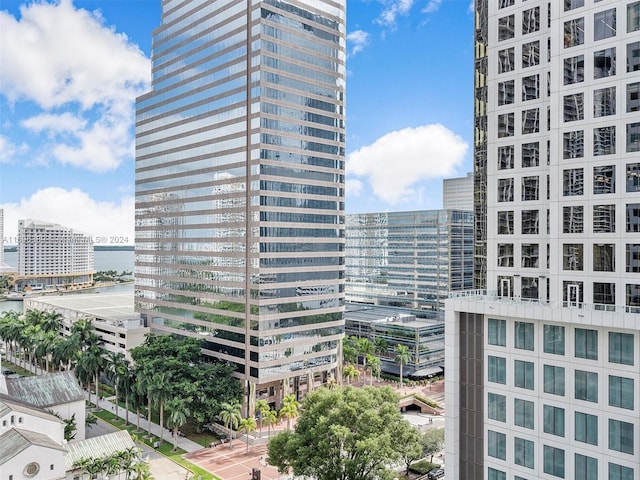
(116, 385)
(400, 374)
(97, 389)
(161, 421)
(126, 413)
(149, 414)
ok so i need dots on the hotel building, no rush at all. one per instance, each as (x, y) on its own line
(240, 187)
(543, 360)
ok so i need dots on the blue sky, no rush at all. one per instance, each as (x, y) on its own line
(70, 71)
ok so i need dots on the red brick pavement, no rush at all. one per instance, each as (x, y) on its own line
(234, 463)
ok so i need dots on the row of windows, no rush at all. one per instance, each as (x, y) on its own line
(530, 23)
(529, 156)
(530, 57)
(530, 90)
(585, 468)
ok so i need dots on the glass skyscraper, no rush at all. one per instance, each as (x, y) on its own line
(240, 186)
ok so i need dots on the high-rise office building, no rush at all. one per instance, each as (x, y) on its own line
(457, 193)
(543, 367)
(240, 186)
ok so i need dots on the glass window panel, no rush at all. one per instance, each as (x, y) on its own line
(572, 255)
(604, 179)
(604, 294)
(506, 27)
(574, 69)
(633, 137)
(494, 474)
(604, 24)
(604, 218)
(633, 57)
(620, 472)
(604, 63)
(530, 87)
(554, 339)
(586, 386)
(505, 223)
(553, 380)
(531, 20)
(573, 107)
(530, 221)
(621, 349)
(586, 428)
(573, 144)
(621, 436)
(505, 190)
(574, 32)
(604, 141)
(604, 257)
(586, 468)
(497, 332)
(633, 297)
(530, 154)
(633, 97)
(633, 257)
(633, 16)
(573, 182)
(571, 4)
(524, 335)
(529, 288)
(573, 219)
(530, 255)
(523, 452)
(497, 369)
(497, 407)
(553, 461)
(506, 60)
(506, 92)
(506, 125)
(553, 421)
(523, 374)
(621, 392)
(523, 413)
(497, 445)
(604, 102)
(530, 54)
(530, 188)
(530, 121)
(586, 343)
(505, 254)
(505, 157)
(633, 217)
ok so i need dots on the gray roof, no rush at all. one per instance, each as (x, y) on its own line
(97, 447)
(15, 441)
(9, 404)
(112, 307)
(46, 390)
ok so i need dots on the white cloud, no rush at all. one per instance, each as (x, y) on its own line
(472, 7)
(358, 39)
(432, 6)
(353, 187)
(397, 162)
(8, 149)
(396, 8)
(65, 59)
(75, 209)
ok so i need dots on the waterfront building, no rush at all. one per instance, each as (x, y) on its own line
(457, 193)
(542, 361)
(118, 327)
(53, 257)
(408, 259)
(240, 187)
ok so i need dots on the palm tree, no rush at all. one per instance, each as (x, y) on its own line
(375, 364)
(178, 412)
(271, 418)
(230, 415)
(350, 373)
(262, 407)
(67, 352)
(380, 346)
(365, 348)
(116, 365)
(160, 392)
(248, 425)
(349, 351)
(290, 409)
(51, 321)
(91, 362)
(403, 355)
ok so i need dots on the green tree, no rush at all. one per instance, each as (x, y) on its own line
(178, 409)
(262, 407)
(160, 392)
(290, 409)
(365, 350)
(342, 434)
(349, 350)
(409, 443)
(432, 442)
(375, 366)
(350, 372)
(248, 425)
(115, 367)
(403, 355)
(230, 416)
(270, 418)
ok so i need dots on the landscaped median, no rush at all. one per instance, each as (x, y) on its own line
(165, 449)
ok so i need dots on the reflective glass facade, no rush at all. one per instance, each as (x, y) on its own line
(409, 259)
(240, 183)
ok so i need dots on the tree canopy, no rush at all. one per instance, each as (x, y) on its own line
(344, 434)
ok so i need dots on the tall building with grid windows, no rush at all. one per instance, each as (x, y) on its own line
(543, 360)
(240, 187)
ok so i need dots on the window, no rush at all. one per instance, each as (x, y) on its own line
(621, 348)
(604, 141)
(633, 298)
(633, 57)
(497, 444)
(619, 472)
(573, 219)
(530, 54)
(571, 4)
(530, 255)
(586, 428)
(573, 143)
(604, 24)
(524, 335)
(604, 218)
(505, 3)
(633, 97)
(497, 369)
(633, 16)
(497, 332)
(633, 137)
(505, 254)
(586, 386)
(505, 190)
(505, 223)
(572, 293)
(604, 294)
(529, 288)
(586, 468)
(530, 222)
(573, 182)
(505, 157)
(554, 380)
(506, 27)
(604, 63)
(633, 257)
(633, 177)
(604, 257)
(621, 436)
(586, 344)
(553, 462)
(621, 392)
(497, 407)
(530, 154)
(496, 474)
(574, 70)
(523, 413)
(530, 188)
(604, 179)
(604, 102)
(572, 255)
(506, 92)
(524, 376)
(574, 32)
(531, 20)
(633, 217)
(554, 339)
(506, 125)
(553, 422)
(506, 60)
(573, 107)
(530, 121)
(530, 87)
(523, 452)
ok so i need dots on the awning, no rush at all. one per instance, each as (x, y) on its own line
(427, 372)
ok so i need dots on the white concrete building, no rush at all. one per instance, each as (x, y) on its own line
(543, 363)
(53, 257)
(457, 193)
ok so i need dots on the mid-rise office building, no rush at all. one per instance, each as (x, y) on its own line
(240, 187)
(51, 256)
(457, 193)
(408, 259)
(543, 363)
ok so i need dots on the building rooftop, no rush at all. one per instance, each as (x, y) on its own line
(97, 447)
(46, 390)
(15, 441)
(115, 308)
(10, 404)
(382, 314)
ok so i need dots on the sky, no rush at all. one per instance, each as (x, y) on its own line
(70, 71)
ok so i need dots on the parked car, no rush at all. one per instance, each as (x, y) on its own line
(8, 372)
(435, 473)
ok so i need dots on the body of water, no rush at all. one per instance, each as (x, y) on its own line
(118, 260)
